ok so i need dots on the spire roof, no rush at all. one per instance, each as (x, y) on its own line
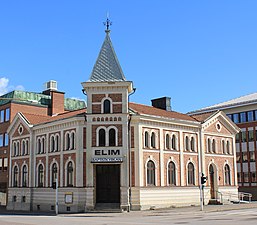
(107, 67)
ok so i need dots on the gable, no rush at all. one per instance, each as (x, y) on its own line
(20, 130)
(218, 127)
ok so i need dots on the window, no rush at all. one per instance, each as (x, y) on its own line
(72, 140)
(54, 173)
(171, 173)
(245, 157)
(40, 176)
(1, 116)
(7, 114)
(250, 135)
(173, 142)
(192, 144)
(236, 118)
(146, 139)
(5, 164)
(102, 137)
(15, 176)
(67, 141)
(187, 143)
(112, 137)
(1, 140)
(223, 147)
(246, 177)
(237, 138)
(243, 136)
(238, 157)
(252, 156)
(190, 174)
(52, 144)
(24, 176)
(56, 142)
(209, 145)
(70, 174)
(6, 139)
(242, 117)
(38, 146)
(213, 146)
(253, 177)
(230, 116)
(239, 177)
(153, 144)
(14, 149)
(107, 106)
(43, 145)
(250, 116)
(228, 147)
(167, 141)
(150, 173)
(227, 175)
(27, 147)
(1, 163)
(23, 147)
(255, 114)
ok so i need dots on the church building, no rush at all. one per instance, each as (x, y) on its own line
(119, 154)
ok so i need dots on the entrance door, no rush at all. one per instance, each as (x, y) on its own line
(211, 175)
(107, 183)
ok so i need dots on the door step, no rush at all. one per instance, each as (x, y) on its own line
(107, 207)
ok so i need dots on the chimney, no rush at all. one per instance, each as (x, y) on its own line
(57, 98)
(162, 103)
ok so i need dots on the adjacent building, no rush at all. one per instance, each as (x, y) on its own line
(243, 112)
(118, 154)
(47, 103)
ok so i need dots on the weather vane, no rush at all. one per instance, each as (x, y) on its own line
(108, 23)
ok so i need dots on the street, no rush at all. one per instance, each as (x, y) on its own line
(190, 215)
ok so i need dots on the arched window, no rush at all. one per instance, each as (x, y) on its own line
(27, 147)
(227, 175)
(150, 173)
(24, 176)
(70, 174)
(213, 146)
(52, 144)
(14, 149)
(57, 143)
(190, 174)
(40, 177)
(228, 147)
(171, 173)
(23, 149)
(146, 139)
(192, 142)
(72, 140)
(167, 141)
(54, 173)
(101, 137)
(67, 141)
(38, 146)
(112, 137)
(18, 148)
(223, 147)
(153, 144)
(209, 145)
(15, 176)
(107, 106)
(43, 145)
(187, 143)
(173, 142)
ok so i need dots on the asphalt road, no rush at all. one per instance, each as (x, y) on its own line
(190, 215)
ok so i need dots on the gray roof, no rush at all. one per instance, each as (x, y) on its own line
(243, 100)
(107, 67)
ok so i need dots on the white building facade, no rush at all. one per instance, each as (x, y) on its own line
(117, 154)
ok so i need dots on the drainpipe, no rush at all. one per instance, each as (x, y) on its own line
(129, 155)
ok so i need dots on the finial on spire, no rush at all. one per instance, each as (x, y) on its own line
(108, 23)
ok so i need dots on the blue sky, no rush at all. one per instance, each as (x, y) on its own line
(198, 52)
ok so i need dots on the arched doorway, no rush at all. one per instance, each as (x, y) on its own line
(212, 181)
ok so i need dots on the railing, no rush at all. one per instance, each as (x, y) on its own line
(244, 197)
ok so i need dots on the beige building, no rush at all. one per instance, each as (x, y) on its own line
(118, 154)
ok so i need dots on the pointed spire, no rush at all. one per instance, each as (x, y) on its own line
(107, 67)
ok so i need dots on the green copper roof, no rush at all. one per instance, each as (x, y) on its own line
(39, 99)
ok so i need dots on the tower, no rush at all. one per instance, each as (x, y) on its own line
(107, 147)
